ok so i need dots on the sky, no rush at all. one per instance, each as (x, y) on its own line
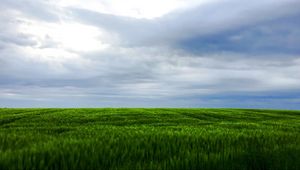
(137, 53)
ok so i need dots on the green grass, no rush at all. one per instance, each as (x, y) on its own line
(149, 139)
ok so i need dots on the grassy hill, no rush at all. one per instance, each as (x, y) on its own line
(149, 139)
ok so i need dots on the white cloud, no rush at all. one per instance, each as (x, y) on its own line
(133, 8)
(65, 35)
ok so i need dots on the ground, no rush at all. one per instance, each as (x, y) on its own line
(149, 139)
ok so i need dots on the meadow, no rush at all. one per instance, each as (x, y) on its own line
(149, 139)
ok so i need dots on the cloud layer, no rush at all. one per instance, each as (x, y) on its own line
(185, 54)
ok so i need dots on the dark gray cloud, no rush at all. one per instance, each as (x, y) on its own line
(278, 36)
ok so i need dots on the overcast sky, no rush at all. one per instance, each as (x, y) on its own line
(136, 53)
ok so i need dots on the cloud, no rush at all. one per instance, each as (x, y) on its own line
(273, 37)
(67, 54)
(163, 76)
(133, 8)
(42, 10)
(9, 32)
(206, 19)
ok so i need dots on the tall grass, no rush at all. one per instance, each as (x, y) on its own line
(149, 139)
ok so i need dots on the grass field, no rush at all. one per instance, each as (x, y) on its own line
(149, 139)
